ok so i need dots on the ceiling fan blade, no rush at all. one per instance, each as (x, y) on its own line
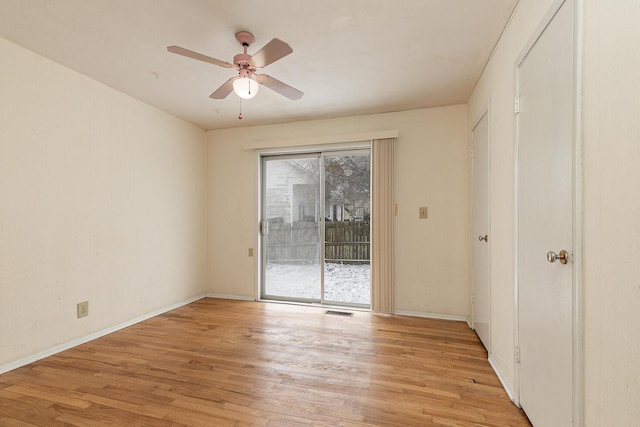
(224, 90)
(200, 57)
(270, 53)
(277, 86)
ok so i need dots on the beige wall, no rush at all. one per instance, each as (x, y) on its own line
(612, 212)
(102, 199)
(432, 271)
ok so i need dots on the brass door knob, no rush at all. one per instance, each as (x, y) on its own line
(563, 256)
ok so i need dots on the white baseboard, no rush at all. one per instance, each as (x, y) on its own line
(234, 297)
(74, 343)
(507, 387)
(432, 315)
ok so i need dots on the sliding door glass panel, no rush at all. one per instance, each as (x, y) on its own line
(347, 202)
(291, 237)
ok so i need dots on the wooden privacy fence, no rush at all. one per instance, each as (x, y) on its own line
(345, 241)
(293, 243)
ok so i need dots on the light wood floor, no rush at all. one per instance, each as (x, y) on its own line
(233, 363)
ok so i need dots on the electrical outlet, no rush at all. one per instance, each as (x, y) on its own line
(83, 309)
(423, 213)
(250, 251)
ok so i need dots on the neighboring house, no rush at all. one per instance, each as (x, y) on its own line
(293, 209)
(292, 191)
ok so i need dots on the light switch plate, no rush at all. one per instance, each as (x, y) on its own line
(423, 213)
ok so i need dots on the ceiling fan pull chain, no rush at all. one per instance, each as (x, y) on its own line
(240, 115)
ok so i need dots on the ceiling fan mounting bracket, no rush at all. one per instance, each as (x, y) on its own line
(245, 38)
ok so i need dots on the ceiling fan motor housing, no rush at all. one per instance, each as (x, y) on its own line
(242, 60)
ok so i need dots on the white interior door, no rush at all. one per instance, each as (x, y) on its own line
(545, 223)
(481, 293)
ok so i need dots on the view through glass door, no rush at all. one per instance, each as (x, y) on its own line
(315, 228)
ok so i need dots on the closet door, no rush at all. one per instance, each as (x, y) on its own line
(545, 126)
(481, 292)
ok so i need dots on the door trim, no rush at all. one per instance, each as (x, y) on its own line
(578, 293)
(577, 284)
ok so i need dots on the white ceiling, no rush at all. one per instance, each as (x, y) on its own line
(350, 57)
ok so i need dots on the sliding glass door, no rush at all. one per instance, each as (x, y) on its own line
(291, 228)
(347, 201)
(315, 228)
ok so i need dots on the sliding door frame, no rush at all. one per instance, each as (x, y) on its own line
(309, 152)
(262, 219)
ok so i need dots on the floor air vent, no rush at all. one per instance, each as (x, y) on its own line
(339, 313)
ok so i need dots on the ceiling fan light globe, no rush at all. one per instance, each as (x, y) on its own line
(245, 87)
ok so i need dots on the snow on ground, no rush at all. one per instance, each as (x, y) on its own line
(342, 282)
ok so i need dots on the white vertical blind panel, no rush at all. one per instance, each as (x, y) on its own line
(382, 206)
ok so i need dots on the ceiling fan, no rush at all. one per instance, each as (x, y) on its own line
(247, 82)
